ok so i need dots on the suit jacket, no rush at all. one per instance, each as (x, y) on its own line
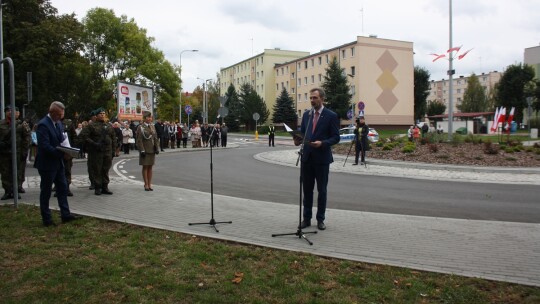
(49, 137)
(326, 130)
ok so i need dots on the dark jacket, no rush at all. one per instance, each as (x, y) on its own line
(326, 130)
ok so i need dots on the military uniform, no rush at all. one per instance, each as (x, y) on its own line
(99, 139)
(22, 133)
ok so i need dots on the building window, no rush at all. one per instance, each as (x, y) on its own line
(312, 62)
(353, 71)
(299, 81)
(262, 73)
(262, 60)
(282, 86)
(327, 59)
(458, 91)
(282, 71)
(305, 97)
(299, 97)
(305, 80)
(299, 66)
(320, 60)
(353, 90)
(305, 64)
(312, 78)
(293, 90)
(352, 52)
(287, 69)
(343, 54)
(320, 77)
(287, 84)
(292, 75)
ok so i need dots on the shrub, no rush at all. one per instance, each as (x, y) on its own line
(388, 147)
(529, 149)
(490, 148)
(409, 147)
(424, 140)
(457, 139)
(380, 143)
(509, 149)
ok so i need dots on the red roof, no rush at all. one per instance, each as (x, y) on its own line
(472, 114)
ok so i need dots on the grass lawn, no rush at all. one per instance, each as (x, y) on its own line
(99, 261)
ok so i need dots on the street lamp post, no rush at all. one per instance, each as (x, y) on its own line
(180, 104)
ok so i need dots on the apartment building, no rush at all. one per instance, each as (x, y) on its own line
(259, 72)
(532, 58)
(439, 90)
(380, 73)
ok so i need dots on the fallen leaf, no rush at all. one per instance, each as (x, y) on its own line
(201, 284)
(238, 276)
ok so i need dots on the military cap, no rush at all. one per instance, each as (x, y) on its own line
(99, 110)
(93, 113)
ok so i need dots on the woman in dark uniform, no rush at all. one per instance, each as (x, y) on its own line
(148, 146)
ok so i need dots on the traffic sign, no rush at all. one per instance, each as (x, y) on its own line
(349, 114)
(256, 116)
(361, 105)
(188, 109)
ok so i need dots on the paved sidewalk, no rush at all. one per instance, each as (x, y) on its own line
(503, 251)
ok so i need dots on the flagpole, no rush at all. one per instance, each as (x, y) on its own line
(450, 79)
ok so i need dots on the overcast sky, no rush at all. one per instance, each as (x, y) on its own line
(228, 31)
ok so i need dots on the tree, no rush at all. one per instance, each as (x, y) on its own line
(421, 92)
(284, 110)
(474, 99)
(121, 51)
(49, 46)
(233, 104)
(511, 88)
(435, 107)
(336, 87)
(251, 103)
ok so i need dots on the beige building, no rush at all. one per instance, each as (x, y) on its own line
(259, 72)
(532, 57)
(439, 90)
(380, 73)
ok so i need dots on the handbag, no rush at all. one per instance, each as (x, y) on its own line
(131, 140)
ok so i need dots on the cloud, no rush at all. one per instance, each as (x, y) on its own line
(266, 15)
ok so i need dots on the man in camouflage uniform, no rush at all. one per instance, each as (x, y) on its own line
(22, 133)
(99, 139)
(24, 149)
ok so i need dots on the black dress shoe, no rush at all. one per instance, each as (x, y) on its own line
(321, 226)
(70, 218)
(49, 224)
(69, 193)
(106, 191)
(355, 164)
(150, 189)
(91, 187)
(21, 190)
(146, 189)
(97, 191)
(6, 196)
(304, 224)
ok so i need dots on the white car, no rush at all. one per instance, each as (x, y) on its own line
(347, 134)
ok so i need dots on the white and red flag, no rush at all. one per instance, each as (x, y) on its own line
(463, 55)
(437, 56)
(454, 49)
(510, 118)
(502, 116)
(495, 121)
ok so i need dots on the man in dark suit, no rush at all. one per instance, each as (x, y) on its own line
(321, 129)
(50, 164)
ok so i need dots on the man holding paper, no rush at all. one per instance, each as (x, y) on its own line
(321, 129)
(50, 164)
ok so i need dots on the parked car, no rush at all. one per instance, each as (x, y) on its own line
(347, 134)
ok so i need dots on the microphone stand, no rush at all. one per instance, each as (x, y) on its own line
(299, 233)
(212, 220)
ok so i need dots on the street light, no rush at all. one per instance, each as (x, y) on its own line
(205, 100)
(180, 104)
